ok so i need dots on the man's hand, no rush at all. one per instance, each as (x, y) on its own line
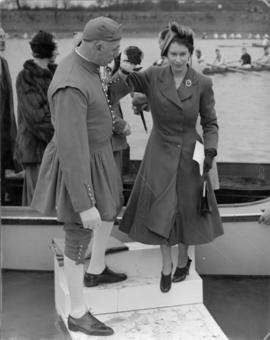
(90, 218)
(265, 217)
(127, 130)
(121, 127)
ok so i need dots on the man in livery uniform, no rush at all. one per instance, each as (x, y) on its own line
(79, 180)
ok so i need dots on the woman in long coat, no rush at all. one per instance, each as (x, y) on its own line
(164, 207)
(35, 129)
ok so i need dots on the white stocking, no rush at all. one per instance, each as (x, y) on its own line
(101, 237)
(74, 275)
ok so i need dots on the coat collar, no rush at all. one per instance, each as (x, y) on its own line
(167, 85)
(88, 65)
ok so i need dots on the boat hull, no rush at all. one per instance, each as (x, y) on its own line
(242, 250)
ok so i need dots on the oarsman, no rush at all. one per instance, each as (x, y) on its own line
(265, 58)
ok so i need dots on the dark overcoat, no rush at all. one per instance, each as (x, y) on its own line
(164, 204)
(7, 117)
(35, 129)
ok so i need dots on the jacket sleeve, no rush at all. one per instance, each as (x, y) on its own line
(140, 81)
(35, 111)
(135, 82)
(73, 147)
(117, 89)
(208, 116)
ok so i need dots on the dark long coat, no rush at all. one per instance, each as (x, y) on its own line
(7, 124)
(7, 117)
(164, 204)
(35, 129)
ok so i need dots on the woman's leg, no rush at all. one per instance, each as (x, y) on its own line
(183, 263)
(182, 255)
(166, 259)
(166, 272)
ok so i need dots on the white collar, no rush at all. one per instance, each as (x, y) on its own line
(76, 50)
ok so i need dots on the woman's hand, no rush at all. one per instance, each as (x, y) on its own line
(91, 218)
(208, 160)
(139, 102)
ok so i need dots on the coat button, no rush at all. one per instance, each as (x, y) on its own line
(179, 146)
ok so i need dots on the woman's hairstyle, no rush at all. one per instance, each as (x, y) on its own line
(181, 34)
(162, 34)
(43, 45)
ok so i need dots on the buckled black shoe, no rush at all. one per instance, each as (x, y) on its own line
(107, 276)
(89, 325)
(180, 274)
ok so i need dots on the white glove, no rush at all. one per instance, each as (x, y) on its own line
(127, 130)
(91, 218)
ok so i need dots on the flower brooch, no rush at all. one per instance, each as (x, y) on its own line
(188, 83)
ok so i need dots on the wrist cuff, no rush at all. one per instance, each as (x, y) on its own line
(210, 152)
(124, 71)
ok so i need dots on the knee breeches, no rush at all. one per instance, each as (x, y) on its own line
(77, 240)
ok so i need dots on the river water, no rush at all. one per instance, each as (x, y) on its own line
(242, 100)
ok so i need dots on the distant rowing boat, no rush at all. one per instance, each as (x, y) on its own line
(257, 45)
(220, 70)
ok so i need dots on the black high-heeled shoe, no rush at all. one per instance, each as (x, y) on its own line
(180, 274)
(166, 282)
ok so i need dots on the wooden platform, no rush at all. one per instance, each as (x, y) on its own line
(135, 308)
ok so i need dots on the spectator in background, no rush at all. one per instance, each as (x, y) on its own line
(119, 139)
(265, 58)
(35, 129)
(7, 118)
(200, 58)
(266, 41)
(219, 60)
(245, 59)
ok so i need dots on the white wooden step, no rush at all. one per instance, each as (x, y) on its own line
(141, 289)
(136, 309)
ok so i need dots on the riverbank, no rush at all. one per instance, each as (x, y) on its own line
(63, 23)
